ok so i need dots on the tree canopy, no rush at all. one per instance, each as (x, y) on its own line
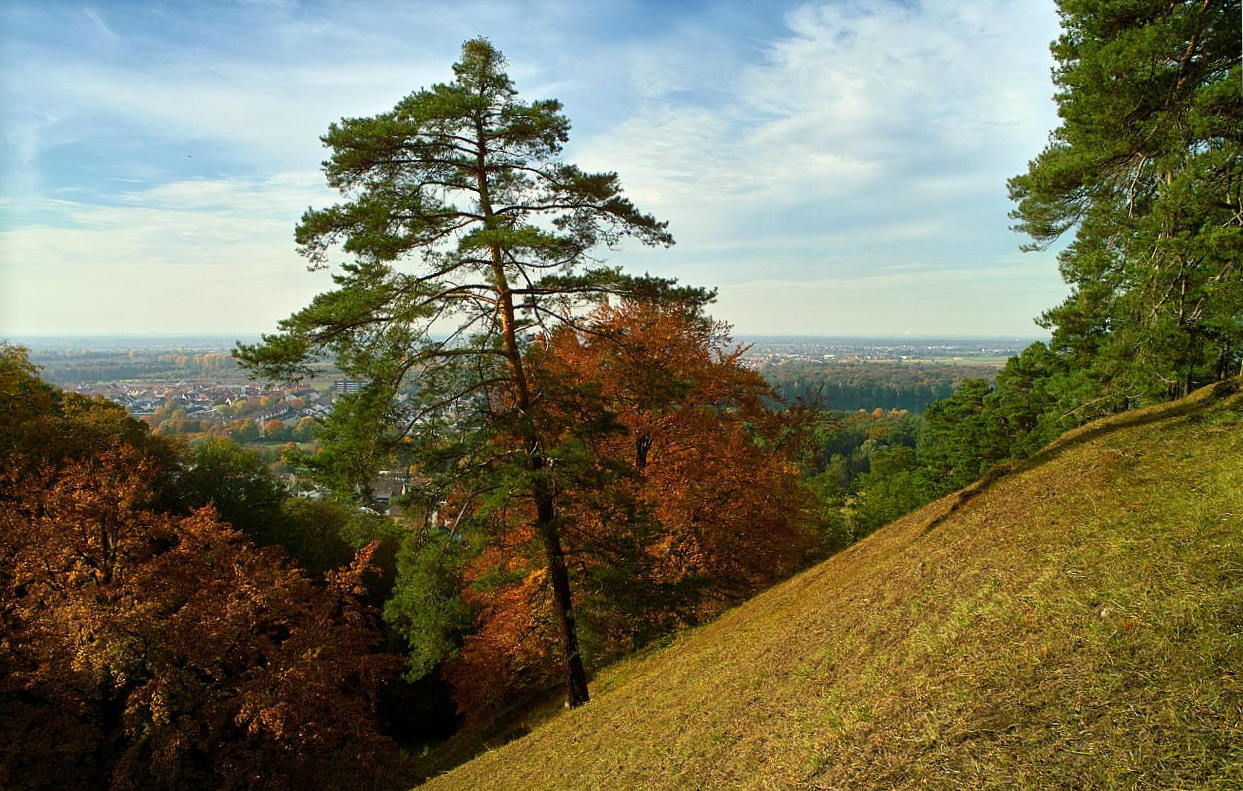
(147, 649)
(1146, 170)
(678, 489)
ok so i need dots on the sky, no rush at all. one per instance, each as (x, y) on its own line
(833, 168)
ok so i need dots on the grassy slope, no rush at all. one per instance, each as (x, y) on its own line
(1077, 623)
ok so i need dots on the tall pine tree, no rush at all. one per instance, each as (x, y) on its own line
(469, 233)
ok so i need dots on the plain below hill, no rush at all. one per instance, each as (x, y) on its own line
(1076, 623)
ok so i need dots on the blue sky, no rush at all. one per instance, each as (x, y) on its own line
(832, 167)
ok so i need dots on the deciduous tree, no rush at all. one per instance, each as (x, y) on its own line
(678, 484)
(148, 651)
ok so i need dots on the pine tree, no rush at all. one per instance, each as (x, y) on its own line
(462, 219)
(1146, 169)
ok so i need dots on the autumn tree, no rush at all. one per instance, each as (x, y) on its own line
(274, 430)
(713, 455)
(462, 220)
(678, 482)
(149, 651)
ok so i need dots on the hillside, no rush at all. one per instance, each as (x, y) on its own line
(1071, 624)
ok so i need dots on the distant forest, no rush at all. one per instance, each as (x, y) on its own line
(88, 366)
(849, 387)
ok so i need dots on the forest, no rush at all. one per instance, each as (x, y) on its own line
(89, 365)
(846, 387)
(593, 467)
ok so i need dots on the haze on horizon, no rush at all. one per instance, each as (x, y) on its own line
(834, 168)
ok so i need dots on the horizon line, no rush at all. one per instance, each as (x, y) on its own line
(224, 333)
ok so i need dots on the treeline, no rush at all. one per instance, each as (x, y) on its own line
(867, 385)
(88, 366)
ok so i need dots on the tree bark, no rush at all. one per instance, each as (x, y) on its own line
(559, 577)
(543, 496)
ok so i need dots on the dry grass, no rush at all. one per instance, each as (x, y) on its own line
(1073, 624)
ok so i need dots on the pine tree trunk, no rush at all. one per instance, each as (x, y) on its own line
(546, 525)
(545, 500)
(559, 577)
(545, 511)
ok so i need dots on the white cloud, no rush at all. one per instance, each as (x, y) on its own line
(913, 299)
(100, 24)
(267, 117)
(266, 90)
(870, 138)
(191, 256)
(878, 132)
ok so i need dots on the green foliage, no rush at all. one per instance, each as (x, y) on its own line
(845, 387)
(23, 396)
(854, 475)
(830, 493)
(313, 531)
(961, 437)
(356, 438)
(40, 424)
(458, 210)
(845, 441)
(239, 484)
(426, 607)
(1037, 397)
(1146, 168)
(325, 535)
(896, 485)
(233, 479)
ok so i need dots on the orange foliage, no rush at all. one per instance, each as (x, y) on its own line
(147, 651)
(514, 643)
(712, 457)
(677, 495)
